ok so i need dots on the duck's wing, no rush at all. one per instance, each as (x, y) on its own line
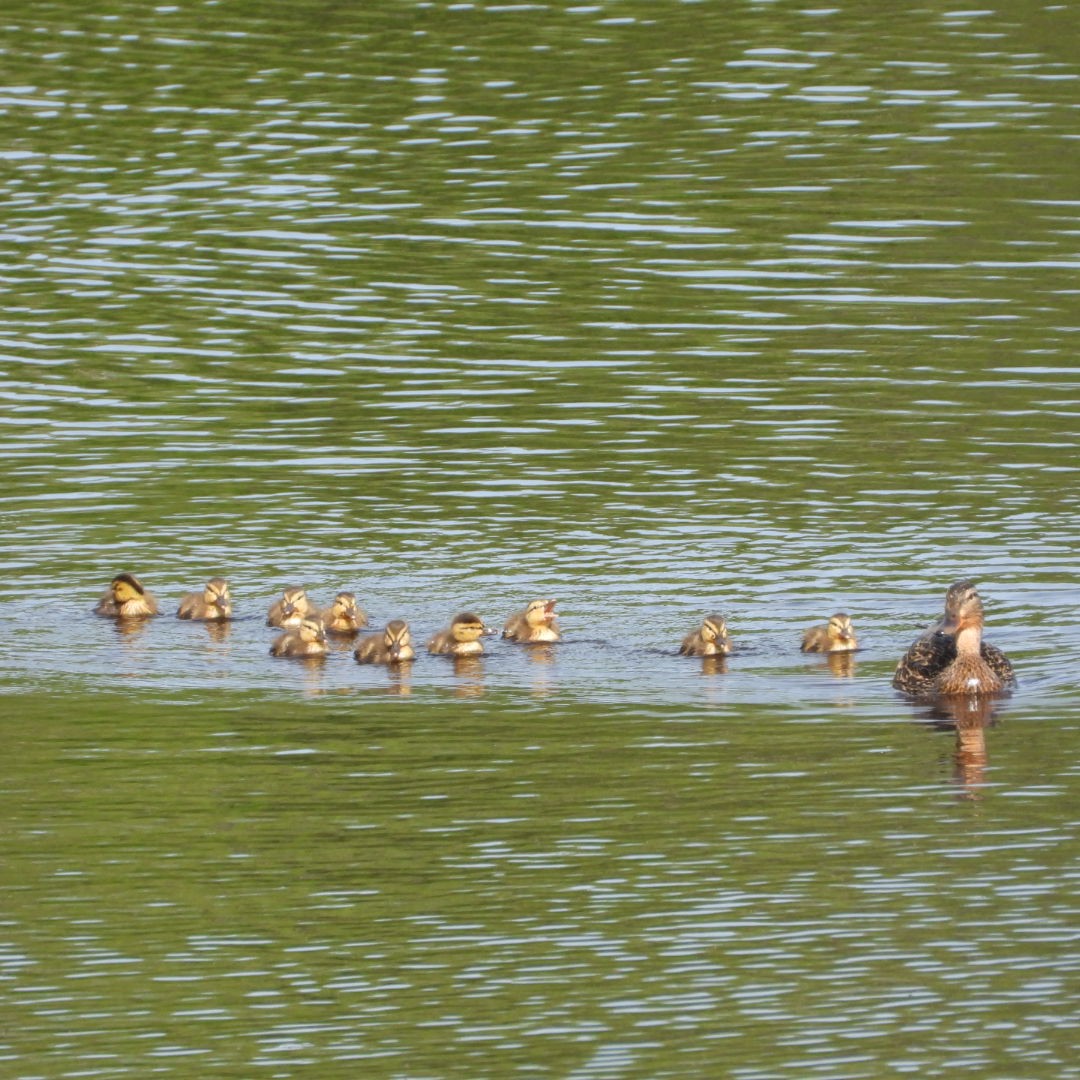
(928, 656)
(999, 664)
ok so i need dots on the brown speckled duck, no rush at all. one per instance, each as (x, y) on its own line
(536, 623)
(344, 616)
(307, 639)
(951, 657)
(461, 637)
(213, 604)
(291, 608)
(837, 635)
(125, 598)
(709, 639)
(392, 646)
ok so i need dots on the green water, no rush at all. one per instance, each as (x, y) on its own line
(656, 308)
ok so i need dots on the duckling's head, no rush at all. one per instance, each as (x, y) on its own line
(126, 587)
(963, 608)
(293, 599)
(467, 627)
(312, 630)
(714, 629)
(344, 604)
(216, 592)
(840, 629)
(396, 636)
(540, 612)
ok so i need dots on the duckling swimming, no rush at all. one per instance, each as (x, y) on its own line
(291, 608)
(837, 635)
(709, 639)
(536, 623)
(125, 598)
(344, 616)
(951, 657)
(392, 646)
(307, 639)
(213, 604)
(461, 637)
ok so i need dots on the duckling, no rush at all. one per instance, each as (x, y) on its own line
(461, 637)
(291, 609)
(212, 604)
(344, 616)
(125, 598)
(536, 623)
(393, 646)
(308, 639)
(951, 657)
(710, 639)
(837, 635)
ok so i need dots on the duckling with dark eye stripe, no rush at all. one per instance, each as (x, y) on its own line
(392, 646)
(536, 623)
(291, 608)
(308, 639)
(461, 637)
(837, 635)
(125, 598)
(213, 604)
(344, 616)
(709, 639)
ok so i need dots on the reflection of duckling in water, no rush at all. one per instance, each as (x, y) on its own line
(344, 615)
(308, 639)
(126, 598)
(837, 635)
(461, 637)
(212, 604)
(709, 639)
(392, 646)
(951, 657)
(291, 608)
(536, 623)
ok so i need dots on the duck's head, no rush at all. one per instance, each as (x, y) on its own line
(345, 604)
(294, 599)
(963, 608)
(467, 627)
(312, 630)
(396, 637)
(540, 613)
(840, 629)
(216, 593)
(126, 587)
(714, 629)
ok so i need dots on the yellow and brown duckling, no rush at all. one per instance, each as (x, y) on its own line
(392, 646)
(709, 639)
(951, 657)
(461, 637)
(291, 608)
(307, 639)
(837, 635)
(125, 598)
(213, 604)
(536, 623)
(344, 616)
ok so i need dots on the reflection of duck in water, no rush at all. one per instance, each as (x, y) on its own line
(291, 608)
(951, 657)
(212, 604)
(709, 639)
(461, 637)
(969, 716)
(536, 623)
(308, 639)
(125, 598)
(837, 635)
(344, 616)
(392, 646)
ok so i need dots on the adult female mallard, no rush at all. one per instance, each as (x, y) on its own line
(344, 616)
(951, 657)
(461, 637)
(837, 635)
(213, 604)
(709, 639)
(291, 608)
(125, 598)
(392, 646)
(307, 639)
(536, 623)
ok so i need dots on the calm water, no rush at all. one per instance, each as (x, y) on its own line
(657, 308)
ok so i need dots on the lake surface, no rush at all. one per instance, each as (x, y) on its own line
(657, 308)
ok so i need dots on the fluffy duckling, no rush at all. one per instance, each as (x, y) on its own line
(837, 635)
(536, 623)
(307, 639)
(344, 615)
(392, 646)
(125, 598)
(709, 639)
(291, 608)
(461, 637)
(951, 657)
(213, 604)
